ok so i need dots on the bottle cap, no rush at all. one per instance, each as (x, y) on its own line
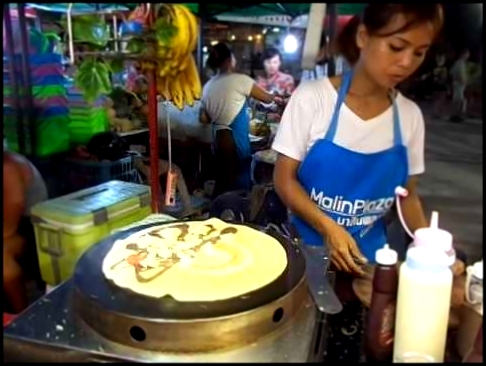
(434, 237)
(386, 256)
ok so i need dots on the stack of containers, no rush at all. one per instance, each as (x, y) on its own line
(51, 113)
(86, 119)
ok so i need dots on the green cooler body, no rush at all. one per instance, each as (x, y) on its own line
(65, 227)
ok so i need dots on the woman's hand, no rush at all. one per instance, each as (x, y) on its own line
(458, 267)
(344, 251)
(279, 100)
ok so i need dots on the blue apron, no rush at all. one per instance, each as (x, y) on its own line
(354, 189)
(241, 131)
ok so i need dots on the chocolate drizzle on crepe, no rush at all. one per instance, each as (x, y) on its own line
(156, 234)
(169, 262)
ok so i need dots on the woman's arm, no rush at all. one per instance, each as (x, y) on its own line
(295, 197)
(412, 210)
(261, 95)
(249, 88)
(411, 206)
(291, 142)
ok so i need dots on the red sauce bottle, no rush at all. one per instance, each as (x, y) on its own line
(379, 332)
(476, 353)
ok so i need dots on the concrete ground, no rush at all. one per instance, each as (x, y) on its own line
(453, 181)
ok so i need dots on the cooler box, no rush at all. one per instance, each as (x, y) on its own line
(65, 227)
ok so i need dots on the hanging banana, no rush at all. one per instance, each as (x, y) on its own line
(177, 75)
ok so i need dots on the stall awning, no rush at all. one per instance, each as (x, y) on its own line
(211, 10)
(288, 9)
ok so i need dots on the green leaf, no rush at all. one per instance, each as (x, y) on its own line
(164, 31)
(135, 45)
(93, 78)
(117, 65)
(89, 28)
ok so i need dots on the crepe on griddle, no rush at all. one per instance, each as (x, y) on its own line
(198, 261)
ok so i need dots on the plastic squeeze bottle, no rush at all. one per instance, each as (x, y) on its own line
(424, 295)
(381, 314)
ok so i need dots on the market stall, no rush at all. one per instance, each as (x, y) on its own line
(89, 317)
(284, 16)
(282, 313)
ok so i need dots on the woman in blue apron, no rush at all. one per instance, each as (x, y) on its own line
(345, 143)
(225, 105)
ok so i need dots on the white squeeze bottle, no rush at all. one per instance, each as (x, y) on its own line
(424, 295)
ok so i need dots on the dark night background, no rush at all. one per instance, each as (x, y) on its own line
(464, 27)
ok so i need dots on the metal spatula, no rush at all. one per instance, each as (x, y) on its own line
(317, 262)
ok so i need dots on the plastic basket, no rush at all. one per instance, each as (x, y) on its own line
(44, 129)
(40, 91)
(36, 60)
(81, 174)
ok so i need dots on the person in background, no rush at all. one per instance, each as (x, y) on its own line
(345, 143)
(275, 81)
(224, 104)
(439, 78)
(23, 187)
(474, 90)
(459, 74)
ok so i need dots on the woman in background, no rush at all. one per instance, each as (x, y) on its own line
(225, 105)
(275, 81)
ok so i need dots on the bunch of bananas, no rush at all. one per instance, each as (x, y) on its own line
(176, 70)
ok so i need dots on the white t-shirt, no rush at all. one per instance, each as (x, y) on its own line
(308, 115)
(224, 95)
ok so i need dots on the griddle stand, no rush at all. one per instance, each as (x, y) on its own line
(50, 331)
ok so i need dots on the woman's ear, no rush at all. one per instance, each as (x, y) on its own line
(361, 36)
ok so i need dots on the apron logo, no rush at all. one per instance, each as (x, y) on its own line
(352, 213)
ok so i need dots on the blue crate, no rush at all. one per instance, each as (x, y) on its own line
(80, 174)
(44, 80)
(35, 60)
(46, 112)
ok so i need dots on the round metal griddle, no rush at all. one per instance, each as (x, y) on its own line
(90, 281)
(163, 324)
